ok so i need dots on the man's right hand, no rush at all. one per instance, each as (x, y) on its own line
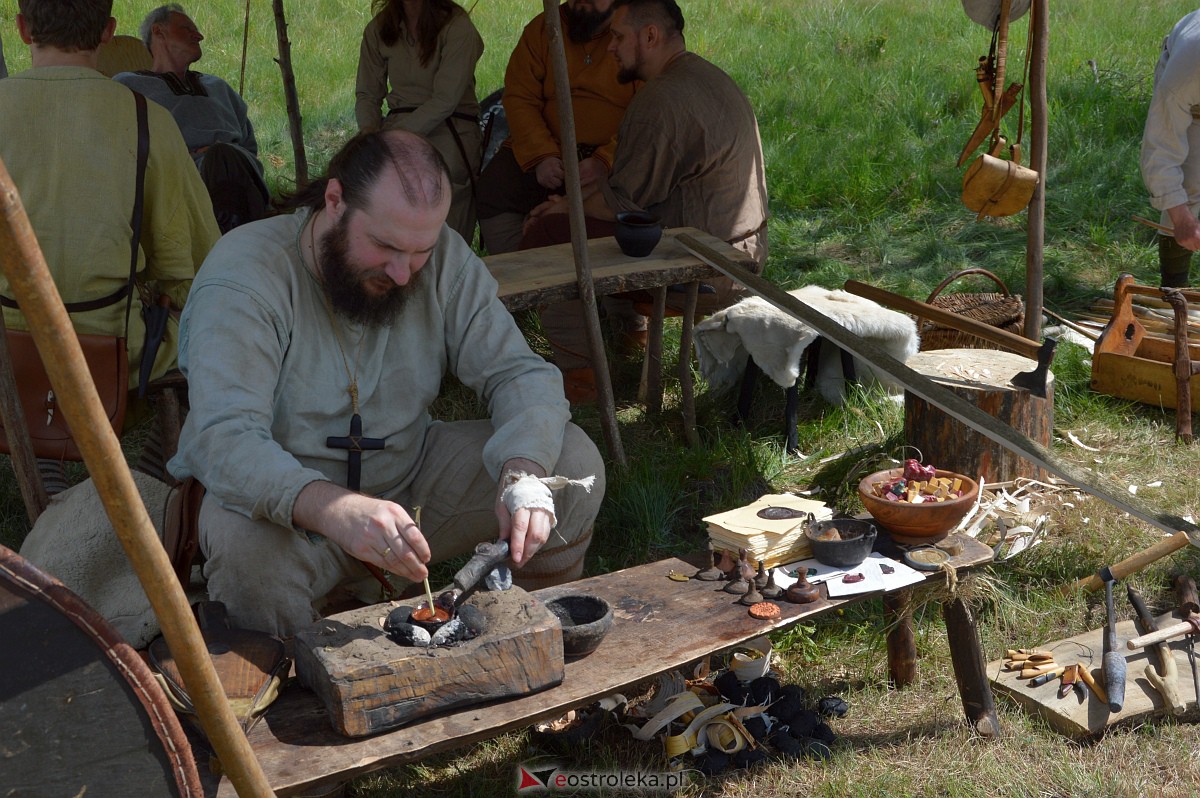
(369, 529)
(550, 172)
(1187, 229)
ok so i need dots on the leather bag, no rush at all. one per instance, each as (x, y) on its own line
(108, 363)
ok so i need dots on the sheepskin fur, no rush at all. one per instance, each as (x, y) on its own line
(776, 340)
(74, 542)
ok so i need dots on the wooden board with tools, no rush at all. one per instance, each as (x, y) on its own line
(1085, 715)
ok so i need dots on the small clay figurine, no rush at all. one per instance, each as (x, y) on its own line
(743, 574)
(751, 596)
(770, 590)
(712, 573)
(760, 579)
(803, 592)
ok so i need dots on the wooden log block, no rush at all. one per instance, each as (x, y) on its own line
(368, 684)
(980, 376)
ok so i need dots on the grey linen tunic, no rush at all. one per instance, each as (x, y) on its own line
(268, 384)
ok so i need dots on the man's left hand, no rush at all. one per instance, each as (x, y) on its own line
(525, 530)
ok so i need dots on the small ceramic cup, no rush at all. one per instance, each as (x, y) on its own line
(637, 233)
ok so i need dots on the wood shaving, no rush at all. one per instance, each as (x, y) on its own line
(1071, 437)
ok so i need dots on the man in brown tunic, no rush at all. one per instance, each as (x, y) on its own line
(688, 151)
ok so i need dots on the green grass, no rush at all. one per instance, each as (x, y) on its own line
(863, 108)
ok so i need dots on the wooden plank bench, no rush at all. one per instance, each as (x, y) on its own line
(659, 625)
(532, 277)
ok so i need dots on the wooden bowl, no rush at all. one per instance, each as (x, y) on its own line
(927, 522)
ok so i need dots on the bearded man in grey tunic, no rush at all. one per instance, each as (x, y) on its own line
(343, 316)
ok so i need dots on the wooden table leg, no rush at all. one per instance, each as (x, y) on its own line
(970, 670)
(901, 646)
(686, 388)
(650, 387)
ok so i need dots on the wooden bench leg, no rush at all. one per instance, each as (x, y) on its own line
(686, 388)
(650, 388)
(901, 645)
(970, 669)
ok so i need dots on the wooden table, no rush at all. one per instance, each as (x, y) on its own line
(659, 625)
(533, 277)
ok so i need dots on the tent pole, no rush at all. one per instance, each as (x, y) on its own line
(1038, 137)
(587, 289)
(34, 289)
(12, 415)
(245, 45)
(295, 123)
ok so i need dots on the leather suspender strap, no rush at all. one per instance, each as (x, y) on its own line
(126, 291)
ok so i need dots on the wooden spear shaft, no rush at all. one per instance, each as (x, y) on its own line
(34, 289)
(587, 289)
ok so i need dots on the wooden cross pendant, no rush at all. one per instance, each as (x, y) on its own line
(355, 444)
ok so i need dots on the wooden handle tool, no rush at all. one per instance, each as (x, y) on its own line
(1045, 675)
(1041, 670)
(1163, 679)
(1034, 654)
(1084, 673)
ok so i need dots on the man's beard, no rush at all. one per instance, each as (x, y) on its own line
(630, 74)
(583, 25)
(345, 287)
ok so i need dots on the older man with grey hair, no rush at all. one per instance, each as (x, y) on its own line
(210, 114)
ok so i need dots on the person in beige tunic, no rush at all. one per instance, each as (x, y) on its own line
(419, 57)
(688, 152)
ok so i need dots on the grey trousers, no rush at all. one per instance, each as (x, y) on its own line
(269, 577)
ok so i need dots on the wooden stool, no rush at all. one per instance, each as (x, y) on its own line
(981, 377)
(808, 371)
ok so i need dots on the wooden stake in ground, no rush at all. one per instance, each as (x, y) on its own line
(587, 290)
(33, 288)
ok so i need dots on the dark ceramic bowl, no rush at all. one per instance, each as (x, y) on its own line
(637, 233)
(585, 621)
(841, 542)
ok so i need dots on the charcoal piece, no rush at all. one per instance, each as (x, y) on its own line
(785, 709)
(407, 634)
(787, 745)
(474, 619)
(757, 726)
(730, 688)
(398, 616)
(803, 723)
(764, 690)
(749, 757)
(816, 749)
(451, 632)
(833, 707)
(824, 733)
(445, 601)
(794, 691)
(713, 762)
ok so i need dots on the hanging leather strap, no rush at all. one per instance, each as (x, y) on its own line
(126, 291)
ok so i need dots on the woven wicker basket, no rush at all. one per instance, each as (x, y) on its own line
(1003, 310)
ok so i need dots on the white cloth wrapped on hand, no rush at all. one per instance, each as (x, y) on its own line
(528, 491)
(776, 340)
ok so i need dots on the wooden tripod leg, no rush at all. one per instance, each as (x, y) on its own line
(12, 415)
(970, 670)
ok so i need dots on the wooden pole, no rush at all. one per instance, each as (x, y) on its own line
(1035, 233)
(34, 290)
(970, 668)
(245, 46)
(291, 99)
(12, 415)
(587, 290)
